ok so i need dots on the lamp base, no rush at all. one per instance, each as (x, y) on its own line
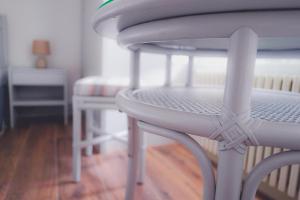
(41, 62)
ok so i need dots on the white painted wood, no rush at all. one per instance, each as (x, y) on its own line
(41, 77)
(283, 175)
(141, 157)
(168, 70)
(283, 178)
(259, 154)
(251, 158)
(267, 150)
(11, 100)
(135, 69)
(119, 136)
(88, 131)
(277, 85)
(259, 83)
(296, 84)
(76, 140)
(99, 126)
(133, 147)
(293, 189)
(90, 104)
(275, 173)
(32, 77)
(34, 103)
(268, 82)
(287, 83)
(267, 153)
(189, 79)
(66, 101)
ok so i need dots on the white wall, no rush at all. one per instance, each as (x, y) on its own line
(116, 63)
(283, 65)
(92, 42)
(56, 20)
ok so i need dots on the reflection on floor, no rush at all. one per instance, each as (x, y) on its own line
(35, 164)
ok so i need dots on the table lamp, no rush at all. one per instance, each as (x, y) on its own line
(41, 48)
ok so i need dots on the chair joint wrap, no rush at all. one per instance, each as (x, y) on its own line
(235, 132)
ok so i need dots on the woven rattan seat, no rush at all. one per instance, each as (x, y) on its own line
(274, 106)
(202, 107)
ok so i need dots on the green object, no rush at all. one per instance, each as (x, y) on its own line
(104, 4)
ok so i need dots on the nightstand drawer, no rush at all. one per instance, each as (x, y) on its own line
(40, 77)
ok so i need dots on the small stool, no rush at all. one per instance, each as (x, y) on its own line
(93, 94)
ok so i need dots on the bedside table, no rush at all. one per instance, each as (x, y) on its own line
(31, 87)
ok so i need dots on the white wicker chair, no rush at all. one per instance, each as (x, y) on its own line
(236, 117)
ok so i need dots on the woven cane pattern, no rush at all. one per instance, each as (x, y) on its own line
(266, 105)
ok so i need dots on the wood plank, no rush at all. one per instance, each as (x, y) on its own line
(171, 186)
(90, 187)
(42, 156)
(11, 145)
(35, 175)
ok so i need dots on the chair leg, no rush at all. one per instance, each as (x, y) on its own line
(89, 133)
(97, 115)
(142, 157)
(133, 148)
(76, 141)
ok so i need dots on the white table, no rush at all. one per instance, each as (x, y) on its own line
(237, 116)
(32, 87)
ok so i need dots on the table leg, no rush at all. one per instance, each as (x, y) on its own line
(76, 140)
(133, 154)
(88, 131)
(237, 99)
(142, 158)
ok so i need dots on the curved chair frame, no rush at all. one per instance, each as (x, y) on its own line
(264, 168)
(197, 151)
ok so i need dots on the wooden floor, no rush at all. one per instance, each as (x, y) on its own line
(35, 164)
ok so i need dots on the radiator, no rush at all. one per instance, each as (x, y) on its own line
(283, 183)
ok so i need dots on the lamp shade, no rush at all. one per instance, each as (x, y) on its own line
(40, 47)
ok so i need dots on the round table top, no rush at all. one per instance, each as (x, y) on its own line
(115, 16)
